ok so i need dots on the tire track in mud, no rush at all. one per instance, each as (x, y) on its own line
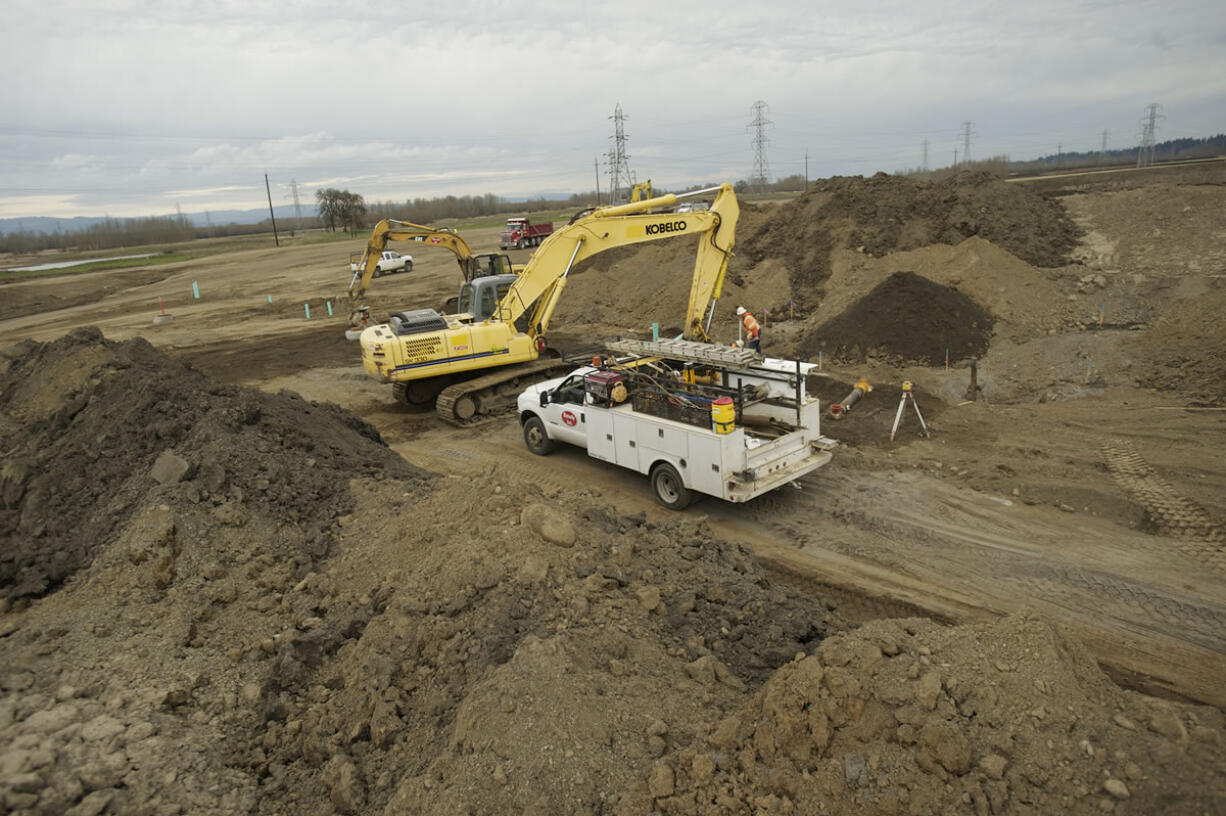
(1166, 512)
(1126, 601)
(1009, 551)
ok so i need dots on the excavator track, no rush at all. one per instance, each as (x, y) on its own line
(478, 400)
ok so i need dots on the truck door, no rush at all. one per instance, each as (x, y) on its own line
(564, 413)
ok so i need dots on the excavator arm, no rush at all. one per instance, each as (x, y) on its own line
(389, 230)
(540, 285)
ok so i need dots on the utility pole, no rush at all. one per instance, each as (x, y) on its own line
(1102, 154)
(596, 164)
(806, 171)
(955, 158)
(1149, 125)
(1059, 153)
(268, 190)
(924, 166)
(293, 186)
(966, 141)
(759, 124)
(619, 159)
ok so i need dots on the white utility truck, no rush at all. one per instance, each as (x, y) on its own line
(691, 416)
(389, 262)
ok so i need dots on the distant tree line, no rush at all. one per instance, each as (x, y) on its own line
(108, 234)
(1169, 150)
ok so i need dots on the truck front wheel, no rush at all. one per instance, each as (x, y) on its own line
(670, 490)
(535, 437)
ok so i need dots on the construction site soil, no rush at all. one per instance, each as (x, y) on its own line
(236, 577)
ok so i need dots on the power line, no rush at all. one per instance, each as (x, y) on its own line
(761, 171)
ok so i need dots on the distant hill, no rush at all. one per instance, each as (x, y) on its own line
(215, 217)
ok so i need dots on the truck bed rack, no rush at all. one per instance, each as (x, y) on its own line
(688, 351)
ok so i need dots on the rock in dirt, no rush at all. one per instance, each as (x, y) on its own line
(548, 524)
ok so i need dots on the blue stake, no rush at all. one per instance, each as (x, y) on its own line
(655, 332)
(195, 290)
(308, 310)
(270, 298)
(329, 308)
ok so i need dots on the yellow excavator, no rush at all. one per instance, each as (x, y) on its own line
(471, 265)
(475, 363)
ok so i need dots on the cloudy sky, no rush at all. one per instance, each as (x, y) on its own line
(134, 107)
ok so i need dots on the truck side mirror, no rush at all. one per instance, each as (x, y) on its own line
(544, 398)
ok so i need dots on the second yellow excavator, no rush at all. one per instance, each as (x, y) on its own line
(476, 362)
(471, 265)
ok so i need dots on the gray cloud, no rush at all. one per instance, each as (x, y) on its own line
(135, 107)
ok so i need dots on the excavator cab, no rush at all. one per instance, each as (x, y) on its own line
(480, 296)
(491, 263)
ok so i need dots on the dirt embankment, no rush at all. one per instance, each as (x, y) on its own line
(97, 430)
(251, 631)
(885, 214)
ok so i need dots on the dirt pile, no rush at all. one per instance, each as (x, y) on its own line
(623, 291)
(1186, 349)
(906, 318)
(904, 716)
(96, 430)
(885, 214)
(538, 671)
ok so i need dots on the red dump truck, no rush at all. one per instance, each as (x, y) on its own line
(521, 233)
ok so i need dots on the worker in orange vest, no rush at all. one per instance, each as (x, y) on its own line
(753, 331)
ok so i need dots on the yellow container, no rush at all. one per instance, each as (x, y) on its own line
(723, 414)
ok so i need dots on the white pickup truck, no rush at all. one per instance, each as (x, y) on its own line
(776, 439)
(388, 263)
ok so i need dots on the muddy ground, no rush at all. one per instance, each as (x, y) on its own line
(223, 594)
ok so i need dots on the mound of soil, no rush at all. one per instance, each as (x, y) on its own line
(96, 429)
(907, 318)
(904, 716)
(885, 214)
(1186, 349)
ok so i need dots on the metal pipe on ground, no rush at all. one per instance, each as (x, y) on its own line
(840, 409)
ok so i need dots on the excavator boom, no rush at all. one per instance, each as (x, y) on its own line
(466, 363)
(540, 285)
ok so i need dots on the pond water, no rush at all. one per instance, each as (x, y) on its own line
(66, 264)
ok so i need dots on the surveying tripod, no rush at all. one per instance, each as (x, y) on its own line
(907, 396)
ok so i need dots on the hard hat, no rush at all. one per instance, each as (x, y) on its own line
(740, 310)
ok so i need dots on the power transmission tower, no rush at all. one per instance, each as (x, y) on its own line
(619, 159)
(1102, 154)
(966, 141)
(761, 171)
(1149, 130)
(924, 166)
(293, 186)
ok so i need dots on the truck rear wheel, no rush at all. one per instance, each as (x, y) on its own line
(670, 490)
(535, 437)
